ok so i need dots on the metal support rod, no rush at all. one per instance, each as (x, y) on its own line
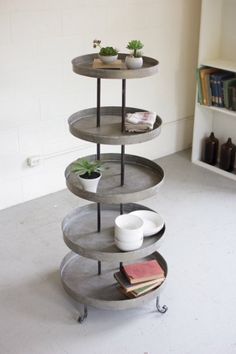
(98, 146)
(98, 217)
(123, 104)
(121, 209)
(99, 267)
(98, 102)
(121, 264)
(85, 315)
(98, 112)
(122, 177)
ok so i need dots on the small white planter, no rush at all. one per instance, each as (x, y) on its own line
(108, 59)
(90, 184)
(133, 63)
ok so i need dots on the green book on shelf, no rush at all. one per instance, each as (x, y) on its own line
(226, 86)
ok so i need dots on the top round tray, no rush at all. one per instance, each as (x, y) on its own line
(83, 65)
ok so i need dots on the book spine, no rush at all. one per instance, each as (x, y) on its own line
(199, 86)
(213, 90)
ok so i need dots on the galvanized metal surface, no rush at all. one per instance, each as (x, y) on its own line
(83, 125)
(80, 280)
(142, 179)
(80, 233)
(83, 66)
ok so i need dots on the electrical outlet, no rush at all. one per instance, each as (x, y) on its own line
(33, 161)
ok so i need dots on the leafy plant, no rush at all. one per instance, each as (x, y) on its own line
(106, 51)
(135, 46)
(85, 167)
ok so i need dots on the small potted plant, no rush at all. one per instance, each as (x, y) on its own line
(134, 60)
(106, 54)
(89, 173)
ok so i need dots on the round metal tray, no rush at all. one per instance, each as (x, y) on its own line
(80, 280)
(83, 66)
(142, 179)
(80, 233)
(83, 125)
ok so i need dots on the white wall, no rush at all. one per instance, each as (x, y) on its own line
(39, 91)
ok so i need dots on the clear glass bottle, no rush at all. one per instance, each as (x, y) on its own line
(227, 156)
(211, 149)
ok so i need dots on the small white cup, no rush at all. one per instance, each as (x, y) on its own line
(128, 228)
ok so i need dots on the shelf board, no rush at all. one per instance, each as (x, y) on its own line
(80, 233)
(218, 109)
(142, 178)
(80, 280)
(83, 125)
(216, 169)
(220, 64)
(83, 65)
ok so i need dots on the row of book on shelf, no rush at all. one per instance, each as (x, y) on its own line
(216, 87)
(136, 279)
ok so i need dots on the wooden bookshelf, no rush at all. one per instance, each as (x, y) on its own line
(217, 49)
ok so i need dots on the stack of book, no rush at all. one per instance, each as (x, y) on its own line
(216, 87)
(139, 278)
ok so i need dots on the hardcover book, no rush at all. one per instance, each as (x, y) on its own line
(226, 86)
(140, 272)
(205, 84)
(125, 284)
(141, 290)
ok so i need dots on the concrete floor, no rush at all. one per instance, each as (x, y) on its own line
(37, 317)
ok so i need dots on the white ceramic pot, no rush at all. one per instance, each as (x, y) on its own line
(128, 232)
(133, 63)
(107, 59)
(90, 184)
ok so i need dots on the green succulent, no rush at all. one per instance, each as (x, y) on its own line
(135, 45)
(106, 51)
(83, 167)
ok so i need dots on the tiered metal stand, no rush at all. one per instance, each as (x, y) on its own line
(87, 271)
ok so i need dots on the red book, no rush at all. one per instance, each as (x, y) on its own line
(141, 272)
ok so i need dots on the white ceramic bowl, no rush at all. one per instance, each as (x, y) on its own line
(128, 228)
(153, 222)
(129, 246)
(107, 59)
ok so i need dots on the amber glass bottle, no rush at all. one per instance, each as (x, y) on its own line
(227, 156)
(211, 149)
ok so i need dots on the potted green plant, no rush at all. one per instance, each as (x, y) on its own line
(134, 60)
(89, 173)
(106, 54)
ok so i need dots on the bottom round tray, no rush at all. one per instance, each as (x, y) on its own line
(81, 281)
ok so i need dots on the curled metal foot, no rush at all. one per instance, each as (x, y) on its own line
(85, 315)
(161, 309)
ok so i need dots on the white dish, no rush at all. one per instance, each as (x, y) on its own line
(152, 222)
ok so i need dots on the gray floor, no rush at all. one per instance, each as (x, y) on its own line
(36, 316)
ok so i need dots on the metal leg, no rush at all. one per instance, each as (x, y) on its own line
(121, 264)
(121, 209)
(161, 309)
(85, 315)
